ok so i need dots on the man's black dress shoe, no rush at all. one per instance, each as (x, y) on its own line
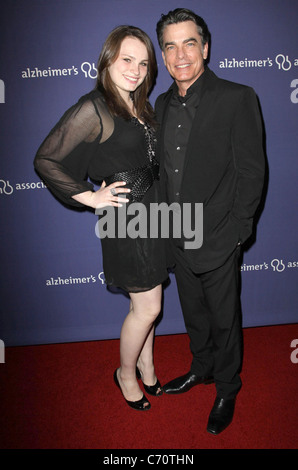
(221, 415)
(185, 382)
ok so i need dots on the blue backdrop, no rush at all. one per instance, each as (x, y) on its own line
(51, 269)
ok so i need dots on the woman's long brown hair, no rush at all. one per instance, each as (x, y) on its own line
(108, 55)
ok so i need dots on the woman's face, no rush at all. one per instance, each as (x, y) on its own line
(131, 66)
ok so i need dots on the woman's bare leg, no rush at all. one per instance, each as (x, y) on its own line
(136, 341)
(145, 361)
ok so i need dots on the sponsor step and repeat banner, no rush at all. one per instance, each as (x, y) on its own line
(52, 281)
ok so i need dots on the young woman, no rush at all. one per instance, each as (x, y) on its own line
(109, 136)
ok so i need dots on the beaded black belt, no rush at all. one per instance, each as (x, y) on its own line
(138, 180)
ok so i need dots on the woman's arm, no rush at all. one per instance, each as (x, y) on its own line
(63, 158)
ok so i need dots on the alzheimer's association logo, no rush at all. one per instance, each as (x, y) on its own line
(5, 187)
(278, 265)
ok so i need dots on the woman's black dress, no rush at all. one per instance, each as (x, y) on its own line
(89, 142)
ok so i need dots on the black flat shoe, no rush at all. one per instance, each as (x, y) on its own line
(221, 415)
(184, 383)
(154, 390)
(136, 405)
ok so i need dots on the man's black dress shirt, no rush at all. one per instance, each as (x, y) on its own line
(179, 121)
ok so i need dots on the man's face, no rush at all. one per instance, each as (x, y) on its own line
(183, 53)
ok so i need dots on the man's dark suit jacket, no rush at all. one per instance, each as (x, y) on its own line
(224, 166)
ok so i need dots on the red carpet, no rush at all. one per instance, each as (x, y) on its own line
(63, 397)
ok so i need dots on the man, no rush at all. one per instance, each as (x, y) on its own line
(210, 147)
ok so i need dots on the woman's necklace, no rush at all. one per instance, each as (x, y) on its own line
(149, 136)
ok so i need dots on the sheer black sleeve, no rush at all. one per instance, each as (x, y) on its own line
(63, 158)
